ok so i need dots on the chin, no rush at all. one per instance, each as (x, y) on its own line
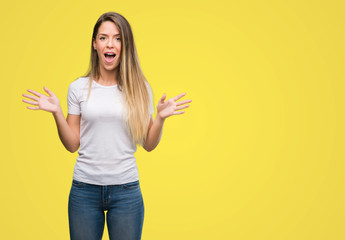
(110, 68)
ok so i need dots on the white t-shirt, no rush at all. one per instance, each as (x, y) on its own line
(106, 154)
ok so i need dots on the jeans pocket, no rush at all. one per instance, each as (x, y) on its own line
(78, 183)
(131, 185)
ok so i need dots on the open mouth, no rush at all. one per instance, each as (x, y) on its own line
(109, 57)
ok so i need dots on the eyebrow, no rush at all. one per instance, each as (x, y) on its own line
(107, 35)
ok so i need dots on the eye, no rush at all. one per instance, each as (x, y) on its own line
(102, 38)
(118, 39)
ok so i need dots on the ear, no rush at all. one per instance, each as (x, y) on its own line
(94, 44)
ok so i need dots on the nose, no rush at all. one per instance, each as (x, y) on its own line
(110, 43)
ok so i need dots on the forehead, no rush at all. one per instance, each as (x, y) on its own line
(108, 28)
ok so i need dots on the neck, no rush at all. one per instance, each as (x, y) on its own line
(108, 77)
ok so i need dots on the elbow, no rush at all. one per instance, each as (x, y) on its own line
(148, 149)
(73, 149)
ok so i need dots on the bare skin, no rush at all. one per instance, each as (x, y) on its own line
(69, 128)
(165, 109)
(47, 103)
(107, 40)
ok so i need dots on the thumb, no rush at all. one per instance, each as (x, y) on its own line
(48, 91)
(162, 98)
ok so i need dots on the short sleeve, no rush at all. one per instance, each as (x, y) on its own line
(72, 100)
(151, 99)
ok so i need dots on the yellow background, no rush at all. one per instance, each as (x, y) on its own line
(258, 155)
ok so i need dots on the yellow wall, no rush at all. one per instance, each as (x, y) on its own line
(258, 155)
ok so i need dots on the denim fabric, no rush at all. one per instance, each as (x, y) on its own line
(122, 203)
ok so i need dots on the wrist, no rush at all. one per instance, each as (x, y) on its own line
(160, 119)
(57, 111)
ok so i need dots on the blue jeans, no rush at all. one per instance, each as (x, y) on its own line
(123, 203)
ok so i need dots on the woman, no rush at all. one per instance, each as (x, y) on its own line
(109, 114)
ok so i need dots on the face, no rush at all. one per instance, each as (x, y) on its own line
(108, 41)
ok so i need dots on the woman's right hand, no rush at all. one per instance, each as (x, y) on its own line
(47, 103)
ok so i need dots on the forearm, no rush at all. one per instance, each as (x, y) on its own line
(66, 135)
(154, 135)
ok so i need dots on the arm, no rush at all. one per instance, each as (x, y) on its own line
(164, 110)
(154, 133)
(68, 129)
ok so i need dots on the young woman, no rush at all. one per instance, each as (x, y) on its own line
(109, 114)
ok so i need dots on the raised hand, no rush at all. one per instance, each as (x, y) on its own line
(47, 103)
(170, 107)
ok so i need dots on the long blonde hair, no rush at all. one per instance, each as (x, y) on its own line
(131, 80)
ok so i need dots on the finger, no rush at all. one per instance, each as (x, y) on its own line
(48, 91)
(31, 102)
(35, 93)
(29, 96)
(162, 98)
(177, 113)
(33, 108)
(183, 102)
(182, 107)
(178, 96)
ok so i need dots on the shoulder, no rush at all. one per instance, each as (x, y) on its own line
(79, 83)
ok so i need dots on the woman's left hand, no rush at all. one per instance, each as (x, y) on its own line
(170, 107)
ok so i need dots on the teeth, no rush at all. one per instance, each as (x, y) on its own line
(110, 54)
